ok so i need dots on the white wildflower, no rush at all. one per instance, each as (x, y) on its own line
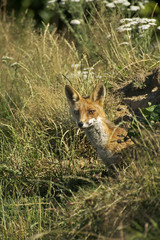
(127, 29)
(152, 20)
(126, 3)
(123, 2)
(118, 1)
(75, 22)
(79, 73)
(125, 20)
(158, 27)
(127, 25)
(142, 20)
(77, 65)
(108, 36)
(110, 5)
(144, 27)
(85, 72)
(63, 1)
(134, 21)
(152, 24)
(75, 0)
(123, 28)
(124, 43)
(51, 1)
(120, 29)
(88, 69)
(85, 76)
(146, 21)
(139, 24)
(134, 8)
(141, 5)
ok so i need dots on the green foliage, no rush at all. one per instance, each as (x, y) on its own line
(151, 8)
(152, 113)
(53, 186)
(35, 9)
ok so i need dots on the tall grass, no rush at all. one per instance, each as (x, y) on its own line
(53, 186)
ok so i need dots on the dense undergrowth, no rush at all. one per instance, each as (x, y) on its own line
(53, 186)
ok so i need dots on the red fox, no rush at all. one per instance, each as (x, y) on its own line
(89, 114)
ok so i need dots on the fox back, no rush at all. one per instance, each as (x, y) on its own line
(89, 114)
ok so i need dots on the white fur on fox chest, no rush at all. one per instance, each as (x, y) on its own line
(99, 137)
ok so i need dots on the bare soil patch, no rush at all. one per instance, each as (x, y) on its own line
(137, 97)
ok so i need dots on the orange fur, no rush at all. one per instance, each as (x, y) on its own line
(89, 114)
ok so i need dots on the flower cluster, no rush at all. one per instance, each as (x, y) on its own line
(140, 24)
(84, 73)
(136, 25)
(126, 3)
(52, 2)
(75, 22)
(114, 3)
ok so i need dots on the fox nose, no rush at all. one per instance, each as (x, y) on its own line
(80, 124)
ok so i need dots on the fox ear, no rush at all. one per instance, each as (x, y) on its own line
(71, 94)
(98, 94)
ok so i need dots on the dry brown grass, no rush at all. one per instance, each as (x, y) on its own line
(52, 183)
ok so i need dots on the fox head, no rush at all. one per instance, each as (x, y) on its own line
(87, 111)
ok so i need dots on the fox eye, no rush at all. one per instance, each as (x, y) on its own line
(76, 112)
(90, 112)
